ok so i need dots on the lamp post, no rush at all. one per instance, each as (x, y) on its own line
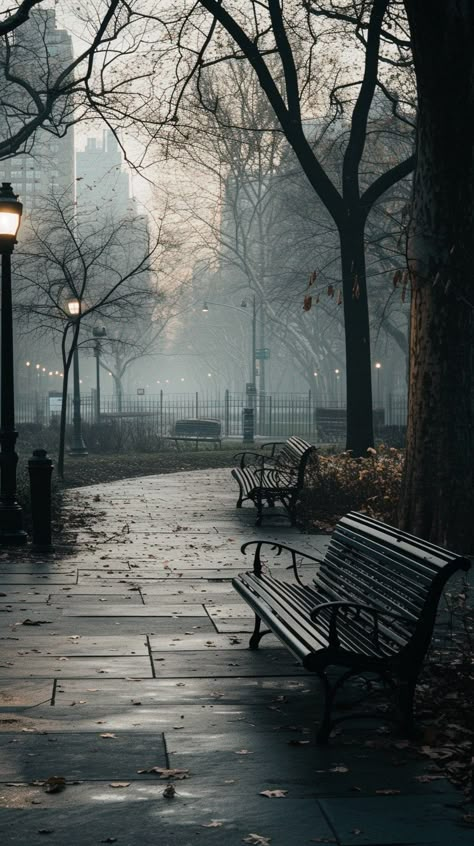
(11, 515)
(378, 367)
(98, 332)
(78, 446)
(253, 364)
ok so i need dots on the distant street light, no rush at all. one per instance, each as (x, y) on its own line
(11, 515)
(78, 446)
(378, 367)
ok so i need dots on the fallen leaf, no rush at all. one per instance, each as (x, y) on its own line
(119, 784)
(212, 824)
(165, 773)
(257, 840)
(107, 735)
(388, 791)
(169, 792)
(274, 794)
(29, 622)
(54, 784)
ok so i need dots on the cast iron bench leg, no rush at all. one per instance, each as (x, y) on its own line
(257, 634)
(325, 726)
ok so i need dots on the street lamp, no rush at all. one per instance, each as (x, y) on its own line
(253, 366)
(378, 367)
(78, 446)
(98, 333)
(11, 515)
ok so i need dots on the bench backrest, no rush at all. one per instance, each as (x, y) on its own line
(198, 427)
(293, 458)
(372, 563)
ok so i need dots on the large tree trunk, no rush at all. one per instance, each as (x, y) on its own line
(360, 434)
(438, 490)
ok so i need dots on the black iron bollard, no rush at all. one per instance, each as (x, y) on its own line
(40, 469)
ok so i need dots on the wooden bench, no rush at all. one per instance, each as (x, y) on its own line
(277, 476)
(371, 607)
(196, 429)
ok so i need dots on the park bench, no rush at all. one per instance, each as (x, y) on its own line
(275, 476)
(196, 429)
(370, 608)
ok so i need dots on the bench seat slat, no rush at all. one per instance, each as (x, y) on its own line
(295, 614)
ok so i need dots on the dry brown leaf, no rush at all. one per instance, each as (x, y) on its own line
(54, 784)
(167, 773)
(107, 735)
(169, 792)
(119, 784)
(274, 794)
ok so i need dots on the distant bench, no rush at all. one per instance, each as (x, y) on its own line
(278, 477)
(196, 429)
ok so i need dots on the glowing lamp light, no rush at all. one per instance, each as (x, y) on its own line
(205, 308)
(10, 216)
(74, 307)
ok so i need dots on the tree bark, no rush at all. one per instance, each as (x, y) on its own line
(360, 434)
(438, 491)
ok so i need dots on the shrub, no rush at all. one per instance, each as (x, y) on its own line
(336, 484)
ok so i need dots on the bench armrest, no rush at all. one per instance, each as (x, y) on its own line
(256, 456)
(273, 445)
(278, 548)
(356, 610)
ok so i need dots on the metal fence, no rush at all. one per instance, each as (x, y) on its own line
(276, 415)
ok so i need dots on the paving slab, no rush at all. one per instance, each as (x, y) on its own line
(72, 645)
(217, 664)
(86, 756)
(21, 666)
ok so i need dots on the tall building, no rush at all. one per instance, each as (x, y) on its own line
(102, 184)
(48, 166)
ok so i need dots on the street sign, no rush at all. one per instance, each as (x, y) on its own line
(55, 403)
(140, 391)
(263, 353)
(250, 388)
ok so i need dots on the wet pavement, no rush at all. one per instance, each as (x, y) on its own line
(127, 658)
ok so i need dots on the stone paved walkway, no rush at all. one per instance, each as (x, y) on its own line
(130, 654)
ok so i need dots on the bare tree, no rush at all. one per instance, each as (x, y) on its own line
(250, 35)
(67, 257)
